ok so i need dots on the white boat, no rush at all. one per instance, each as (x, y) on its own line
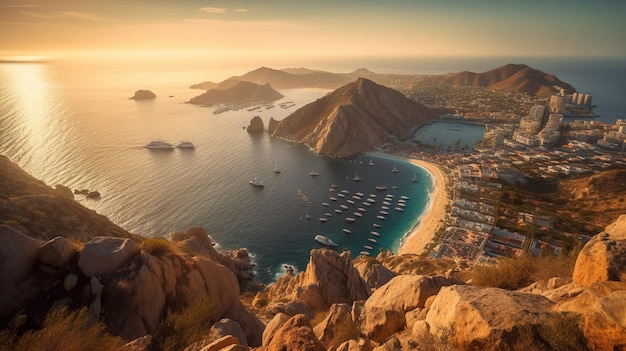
(257, 183)
(404, 197)
(361, 209)
(384, 208)
(314, 173)
(376, 225)
(364, 253)
(395, 170)
(414, 179)
(347, 231)
(359, 194)
(358, 214)
(375, 233)
(350, 219)
(341, 195)
(381, 188)
(373, 195)
(387, 203)
(324, 240)
(367, 247)
(333, 185)
(367, 204)
(351, 202)
(337, 211)
(185, 145)
(402, 201)
(371, 163)
(323, 219)
(332, 198)
(399, 209)
(384, 212)
(401, 204)
(159, 145)
(345, 191)
(356, 197)
(382, 218)
(344, 207)
(372, 240)
(371, 200)
(276, 169)
(325, 204)
(356, 178)
(328, 214)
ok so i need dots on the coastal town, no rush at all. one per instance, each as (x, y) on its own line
(479, 218)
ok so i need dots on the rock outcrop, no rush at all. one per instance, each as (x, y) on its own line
(353, 119)
(338, 326)
(57, 252)
(294, 334)
(374, 273)
(256, 125)
(104, 255)
(603, 258)
(242, 91)
(329, 278)
(143, 95)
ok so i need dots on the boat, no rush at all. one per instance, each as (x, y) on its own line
(371, 163)
(368, 247)
(387, 203)
(404, 197)
(314, 173)
(358, 214)
(332, 190)
(332, 198)
(375, 233)
(359, 194)
(323, 219)
(364, 253)
(384, 208)
(350, 219)
(376, 225)
(345, 191)
(402, 201)
(276, 169)
(344, 207)
(159, 145)
(395, 170)
(384, 212)
(401, 204)
(356, 178)
(367, 204)
(389, 195)
(351, 202)
(382, 218)
(395, 187)
(333, 185)
(381, 188)
(325, 204)
(356, 197)
(399, 209)
(308, 216)
(361, 209)
(185, 145)
(341, 195)
(370, 200)
(324, 240)
(328, 214)
(257, 183)
(372, 240)
(373, 195)
(414, 179)
(347, 231)
(338, 211)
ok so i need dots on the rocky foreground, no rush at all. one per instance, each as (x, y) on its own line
(137, 288)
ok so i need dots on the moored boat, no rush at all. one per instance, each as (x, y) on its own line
(324, 240)
(159, 145)
(185, 145)
(257, 183)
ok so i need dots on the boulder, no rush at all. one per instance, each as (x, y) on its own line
(57, 252)
(103, 255)
(64, 191)
(18, 258)
(143, 95)
(603, 258)
(70, 282)
(485, 318)
(377, 323)
(226, 327)
(93, 195)
(373, 273)
(273, 326)
(256, 125)
(359, 344)
(407, 292)
(294, 334)
(221, 343)
(337, 327)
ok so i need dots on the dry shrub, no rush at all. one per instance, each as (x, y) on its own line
(184, 328)
(63, 330)
(158, 247)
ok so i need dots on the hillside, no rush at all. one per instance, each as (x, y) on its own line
(242, 91)
(32, 207)
(352, 119)
(509, 78)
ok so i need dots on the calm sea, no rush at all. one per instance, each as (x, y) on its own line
(73, 124)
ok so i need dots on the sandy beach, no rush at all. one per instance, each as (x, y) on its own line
(424, 232)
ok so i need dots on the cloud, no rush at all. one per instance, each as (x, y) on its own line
(241, 10)
(25, 6)
(75, 15)
(213, 10)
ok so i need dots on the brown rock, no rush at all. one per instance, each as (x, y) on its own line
(221, 343)
(374, 273)
(337, 327)
(603, 258)
(228, 327)
(273, 326)
(64, 191)
(377, 323)
(57, 252)
(295, 334)
(486, 318)
(103, 255)
(407, 292)
(256, 125)
(359, 344)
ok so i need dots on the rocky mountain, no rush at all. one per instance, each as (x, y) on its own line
(242, 91)
(511, 78)
(290, 78)
(352, 119)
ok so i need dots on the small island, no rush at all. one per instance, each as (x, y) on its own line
(143, 95)
(240, 92)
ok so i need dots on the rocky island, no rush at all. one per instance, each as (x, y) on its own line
(240, 92)
(353, 119)
(143, 95)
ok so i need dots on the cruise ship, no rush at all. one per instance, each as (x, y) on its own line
(159, 145)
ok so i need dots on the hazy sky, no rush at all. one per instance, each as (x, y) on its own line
(315, 28)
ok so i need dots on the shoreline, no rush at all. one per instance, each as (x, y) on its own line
(423, 232)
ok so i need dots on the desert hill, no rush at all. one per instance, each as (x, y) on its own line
(510, 78)
(352, 119)
(241, 91)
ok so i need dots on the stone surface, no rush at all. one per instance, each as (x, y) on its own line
(143, 95)
(70, 282)
(603, 258)
(221, 343)
(227, 326)
(103, 255)
(486, 318)
(374, 273)
(337, 327)
(294, 334)
(377, 323)
(256, 125)
(273, 326)
(57, 252)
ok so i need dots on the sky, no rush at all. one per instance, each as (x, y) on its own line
(51, 28)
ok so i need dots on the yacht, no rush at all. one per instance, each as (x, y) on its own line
(359, 194)
(341, 195)
(400, 209)
(364, 253)
(414, 179)
(367, 204)
(325, 204)
(376, 225)
(347, 231)
(344, 207)
(358, 214)
(395, 170)
(257, 183)
(276, 169)
(324, 240)
(332, 198)
(382, 218)
(351, 202)
(367, 247)
(337, 210)
(383, 212)
(314, 173)
(371, 162)
(356, 178)
(404, 197)
(159, 145)
(185, 145)
(372, 240)
(381, 188)
(323, 219)
(374, 233)
(350, 219)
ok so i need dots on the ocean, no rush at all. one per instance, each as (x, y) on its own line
(73, 124)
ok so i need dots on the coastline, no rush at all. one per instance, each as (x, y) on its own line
(423, 232)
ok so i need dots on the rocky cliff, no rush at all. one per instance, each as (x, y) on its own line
(242, 91)
(352, 119)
